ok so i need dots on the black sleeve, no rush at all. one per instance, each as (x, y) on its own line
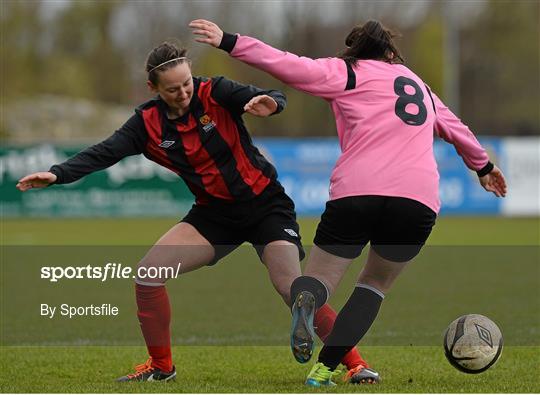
(130, 139)
(234, 96)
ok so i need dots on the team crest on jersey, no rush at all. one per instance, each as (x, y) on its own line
(205, 119)
(207, 123)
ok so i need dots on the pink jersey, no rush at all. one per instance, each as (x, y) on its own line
(385, 119)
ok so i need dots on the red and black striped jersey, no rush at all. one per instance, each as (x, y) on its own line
(209, 147)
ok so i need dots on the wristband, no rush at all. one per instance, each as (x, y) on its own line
(484, 171)
(228, 41)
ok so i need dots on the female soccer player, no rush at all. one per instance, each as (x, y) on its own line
(193, 126)
(384, 187)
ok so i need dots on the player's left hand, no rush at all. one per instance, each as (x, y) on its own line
(494, 182)
(209, 32)
(261, 106)
(36, 180)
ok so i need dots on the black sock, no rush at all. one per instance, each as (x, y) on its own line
(352, 323)
(311, 284)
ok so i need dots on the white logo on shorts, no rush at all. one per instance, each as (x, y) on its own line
(291, 232)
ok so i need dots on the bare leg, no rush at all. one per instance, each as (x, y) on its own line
(183, 245)
(380, 273)
(327, 268)
(283, 263)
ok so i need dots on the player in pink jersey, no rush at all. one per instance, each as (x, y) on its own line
(384, 186)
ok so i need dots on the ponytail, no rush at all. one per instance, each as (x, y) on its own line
(371, 41)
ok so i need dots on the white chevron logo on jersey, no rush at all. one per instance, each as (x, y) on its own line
(167, 143)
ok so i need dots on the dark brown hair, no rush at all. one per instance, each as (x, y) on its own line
(164, 52)
(371, 41)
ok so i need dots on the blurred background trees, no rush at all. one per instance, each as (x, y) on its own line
(75, 69)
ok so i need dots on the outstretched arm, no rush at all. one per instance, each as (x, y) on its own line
(326, 77)
(240, 98)
(126, 141)
(261, 106)
(450, 128)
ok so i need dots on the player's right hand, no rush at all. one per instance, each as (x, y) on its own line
(494, 182)
(207, 32)
(36, 180)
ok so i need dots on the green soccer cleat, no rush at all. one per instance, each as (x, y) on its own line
(302, 331)
(321, 376)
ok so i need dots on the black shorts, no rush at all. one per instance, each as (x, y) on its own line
(266, 218)
(396, 227)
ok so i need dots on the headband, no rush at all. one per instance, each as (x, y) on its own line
(168, 61)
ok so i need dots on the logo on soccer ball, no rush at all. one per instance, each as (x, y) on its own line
(484, 334)
(473, 343)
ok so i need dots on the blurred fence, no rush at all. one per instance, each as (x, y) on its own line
(138, 187)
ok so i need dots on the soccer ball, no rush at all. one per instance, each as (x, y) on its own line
(473, 343)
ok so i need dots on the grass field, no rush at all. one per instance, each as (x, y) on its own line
(230, 328)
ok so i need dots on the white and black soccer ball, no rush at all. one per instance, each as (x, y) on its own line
(473, 343)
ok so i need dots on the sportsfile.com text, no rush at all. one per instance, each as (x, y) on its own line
(109, 271)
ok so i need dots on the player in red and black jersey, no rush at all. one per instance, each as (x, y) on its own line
(194, 127)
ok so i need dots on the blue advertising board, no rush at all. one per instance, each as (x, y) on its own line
(305, 165)
(136, 185)
(459, 189)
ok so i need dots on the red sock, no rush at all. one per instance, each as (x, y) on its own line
(324, 322)
(154, 312)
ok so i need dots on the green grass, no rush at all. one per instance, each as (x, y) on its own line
(447, 231)
(230, 327)
(256, 369)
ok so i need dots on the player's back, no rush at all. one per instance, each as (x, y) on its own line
(385, 118)
(385, 126)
